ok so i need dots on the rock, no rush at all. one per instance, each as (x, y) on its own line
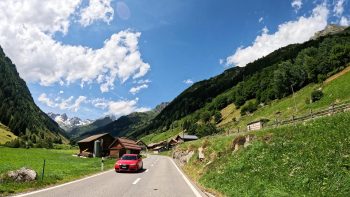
(22, 175)
(201, 156)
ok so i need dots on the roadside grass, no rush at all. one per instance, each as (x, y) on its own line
(61, 167)
(5, 134)
(301, 160)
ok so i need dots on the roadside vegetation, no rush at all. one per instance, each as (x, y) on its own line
(5, 134)
(301, 160)
(61, 167)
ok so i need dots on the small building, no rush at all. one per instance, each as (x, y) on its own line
(171, 143)
(256, 125)
(122, 146)
(142, 144)
(87, 145)
(158, 144)
(186, 138)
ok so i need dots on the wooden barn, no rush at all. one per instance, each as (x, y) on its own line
(142, 144)
(122, 146)
(87, 145)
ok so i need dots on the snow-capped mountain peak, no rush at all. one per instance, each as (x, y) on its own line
(67, 123)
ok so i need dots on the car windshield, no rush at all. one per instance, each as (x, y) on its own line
(129, 157)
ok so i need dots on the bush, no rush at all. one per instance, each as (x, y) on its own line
(217, 117)
(316, 95)
(250, 107)
(205, 116)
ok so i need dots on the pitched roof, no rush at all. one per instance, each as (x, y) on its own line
(126, 143)
(93, 137)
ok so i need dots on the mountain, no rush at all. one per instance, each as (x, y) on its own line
(17, 108)
(125, 125)
(81, 130)
(271, 77)
(67, 123)
(329, 30)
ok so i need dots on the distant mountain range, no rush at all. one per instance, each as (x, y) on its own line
(123, 126)
(67, 123)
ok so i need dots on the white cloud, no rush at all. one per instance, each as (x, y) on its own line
(221, 61)
(135, 90)
(26, 35)
(142, 81)
(296, 4)
(188, 81)
(261, 19)
(124, 107)
(96, 10)
(339, 7)
(344, 21)
(63, 104)
(61, 92)
(290, 32)
(44, 99)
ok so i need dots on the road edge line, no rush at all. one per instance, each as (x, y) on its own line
(64, 184)
(194, 190)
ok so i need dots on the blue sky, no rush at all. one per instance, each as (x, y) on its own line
(102, 57)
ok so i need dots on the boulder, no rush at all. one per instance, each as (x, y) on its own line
(22, 175)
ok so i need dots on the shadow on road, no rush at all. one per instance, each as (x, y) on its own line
(136, 172)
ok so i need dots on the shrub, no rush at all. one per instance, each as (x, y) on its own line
(250, 107)
(316, 95)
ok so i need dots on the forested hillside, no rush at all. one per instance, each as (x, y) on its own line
(18, 110)
(272, 77)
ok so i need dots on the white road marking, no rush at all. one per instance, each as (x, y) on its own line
(58, 186)
(196, 193)
(136, 181)
(147, 170)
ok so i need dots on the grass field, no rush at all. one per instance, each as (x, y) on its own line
(61, 167)
(301, 160)
(5, 134)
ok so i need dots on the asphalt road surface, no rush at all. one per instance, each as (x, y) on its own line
(160, 177)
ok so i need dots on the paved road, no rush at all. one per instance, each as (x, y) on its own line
(160, 178)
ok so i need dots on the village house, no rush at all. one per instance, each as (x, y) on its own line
(87, 145)
(122, 146)
(256, 125)
(171, 143)
(142, 144)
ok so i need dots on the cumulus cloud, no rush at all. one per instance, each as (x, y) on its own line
(290, 32)
(26, 35)
(188, 81)
(296, 4)
(124, 107)
(135, 90)
(96, 10)
(63, 104)
(339, 7)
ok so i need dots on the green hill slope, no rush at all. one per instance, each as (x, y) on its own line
(17, 108)
(301, 160)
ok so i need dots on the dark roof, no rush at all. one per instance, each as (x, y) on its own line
(126, 143)
(93, 137)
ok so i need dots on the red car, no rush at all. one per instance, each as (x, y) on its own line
(129, 163)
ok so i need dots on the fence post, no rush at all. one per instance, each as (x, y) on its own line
(43, 172)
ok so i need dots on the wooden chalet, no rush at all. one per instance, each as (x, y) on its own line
(158, 144)
(87, 145)
(122, 146)
(142, 144)
(172, 142)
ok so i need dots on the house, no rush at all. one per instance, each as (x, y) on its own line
(87, 145)
(256, 125)
(122, 146)
(171, 143)
(142, 144)
(185, 138)
(158, 144)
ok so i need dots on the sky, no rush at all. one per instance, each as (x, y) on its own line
(92, 58)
